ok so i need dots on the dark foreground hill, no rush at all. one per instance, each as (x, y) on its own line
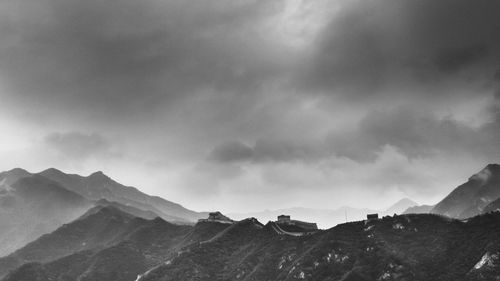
(35, 204)
(408, 247)
(106, 243)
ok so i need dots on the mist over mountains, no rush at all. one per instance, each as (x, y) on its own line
(472, 197)
(32, 204)
(60, 227)
(250, 140)
(98, 186)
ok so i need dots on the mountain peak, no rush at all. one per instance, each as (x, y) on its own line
(11, 176)
(485, 174)
(106, 211)
(400, 206)
(406, 201)
(18, 170)
(98, 175)
(494, 168)
(472, 197)
(51, 171)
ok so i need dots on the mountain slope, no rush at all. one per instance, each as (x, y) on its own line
(99, 186)
(32, 205)
(420, 209)
(410, 247)
(97, 227)
(128, 209)
(492, 207)
(407, 247)
(9, 177)
(400, 206)
(100, 228)
(470, 198)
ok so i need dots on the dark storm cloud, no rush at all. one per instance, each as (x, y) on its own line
(77, 145)
(126, 55)
(453, 59)
(289, 150)
(233, 151)
(414, 134)
(279, 93)
(380, 48)
(269, 150)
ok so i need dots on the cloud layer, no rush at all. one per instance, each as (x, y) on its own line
(254, 99)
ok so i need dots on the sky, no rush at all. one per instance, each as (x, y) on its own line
(248, 105)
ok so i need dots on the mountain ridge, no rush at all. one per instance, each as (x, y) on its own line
(98, 186)
(120, 246)
(34, 205)
(470, 198)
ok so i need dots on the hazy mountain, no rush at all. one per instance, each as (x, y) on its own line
(35, 204)
(114, 241)
(472, 197)
(400, 206)
(420, 209)
(492, 207)
(32, 205)
(9, 177)
(99, 228)
(128, 209)
(106, 243)
(99, 186)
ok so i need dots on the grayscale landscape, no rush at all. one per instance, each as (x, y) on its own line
(249, 140)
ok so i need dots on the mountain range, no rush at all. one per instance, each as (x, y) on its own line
(95, 229)
(109, 244)
(32, 204)
(99, 186)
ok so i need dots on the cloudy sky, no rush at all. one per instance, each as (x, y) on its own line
(253, 104)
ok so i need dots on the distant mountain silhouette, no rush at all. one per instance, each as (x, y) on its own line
(109, 244)
(9, 177)
(128, 209)
(36, 204)
(105, 243)
(117, 242)
(420, 209)
(471, 198)
(400, 206)
(32, 205)
(99, 228)
(99, 186)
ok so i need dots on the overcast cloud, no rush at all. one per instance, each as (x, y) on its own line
(253, 104)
